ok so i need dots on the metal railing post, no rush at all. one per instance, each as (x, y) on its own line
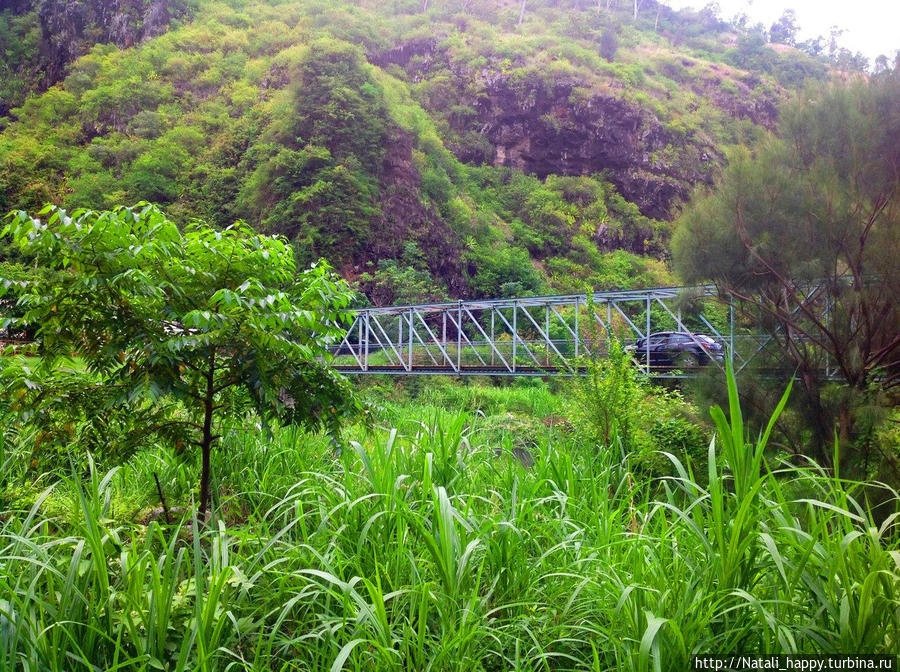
(577, 334)
(547, 331)
(368, 332)
(411, 338)
(731, 331)
(647, 340)
(515, 334)
(493, 340)
(459, 335)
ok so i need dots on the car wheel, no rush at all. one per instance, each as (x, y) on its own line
(684, 360)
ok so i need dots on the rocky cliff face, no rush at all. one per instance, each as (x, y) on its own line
(552, 127)
(68, 30)
(404, 219)
(540, 130)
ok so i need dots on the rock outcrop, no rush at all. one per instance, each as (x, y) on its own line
(543, 126)
(538, 129)
(404, 218)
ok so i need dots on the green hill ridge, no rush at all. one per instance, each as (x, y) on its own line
(428, 152)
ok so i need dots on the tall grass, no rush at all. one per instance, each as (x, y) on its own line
(422, 549)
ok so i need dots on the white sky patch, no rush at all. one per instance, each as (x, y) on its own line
(871, 26)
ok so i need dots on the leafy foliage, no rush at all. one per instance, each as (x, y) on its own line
(803, 234)
(321, 185)
(610, 395)
(39, 38)
(153, 313)
(617, 405)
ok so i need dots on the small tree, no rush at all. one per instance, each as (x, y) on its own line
(804, 235)
(608, 395)
(158, 315)
(784, 30)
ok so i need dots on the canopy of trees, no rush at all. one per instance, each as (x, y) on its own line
(806, 232)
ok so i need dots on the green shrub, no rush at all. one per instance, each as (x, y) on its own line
(668, 425)
(618, 406)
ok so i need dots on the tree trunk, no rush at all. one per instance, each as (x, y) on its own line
(521, 13)
(207, 438)
(822, 436)
(810, 381)
(637, 7)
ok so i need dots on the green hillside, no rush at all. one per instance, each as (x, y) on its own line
(449, 150)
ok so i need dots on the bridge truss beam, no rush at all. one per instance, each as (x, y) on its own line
(537, 336)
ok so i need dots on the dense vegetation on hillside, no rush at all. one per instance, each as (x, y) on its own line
(426, 154)
(40, 38)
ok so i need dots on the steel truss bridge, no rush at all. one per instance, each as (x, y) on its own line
(535, 336)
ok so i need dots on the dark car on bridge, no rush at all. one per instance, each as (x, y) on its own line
(677, 350)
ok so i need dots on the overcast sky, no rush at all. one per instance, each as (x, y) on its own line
(872, 26)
